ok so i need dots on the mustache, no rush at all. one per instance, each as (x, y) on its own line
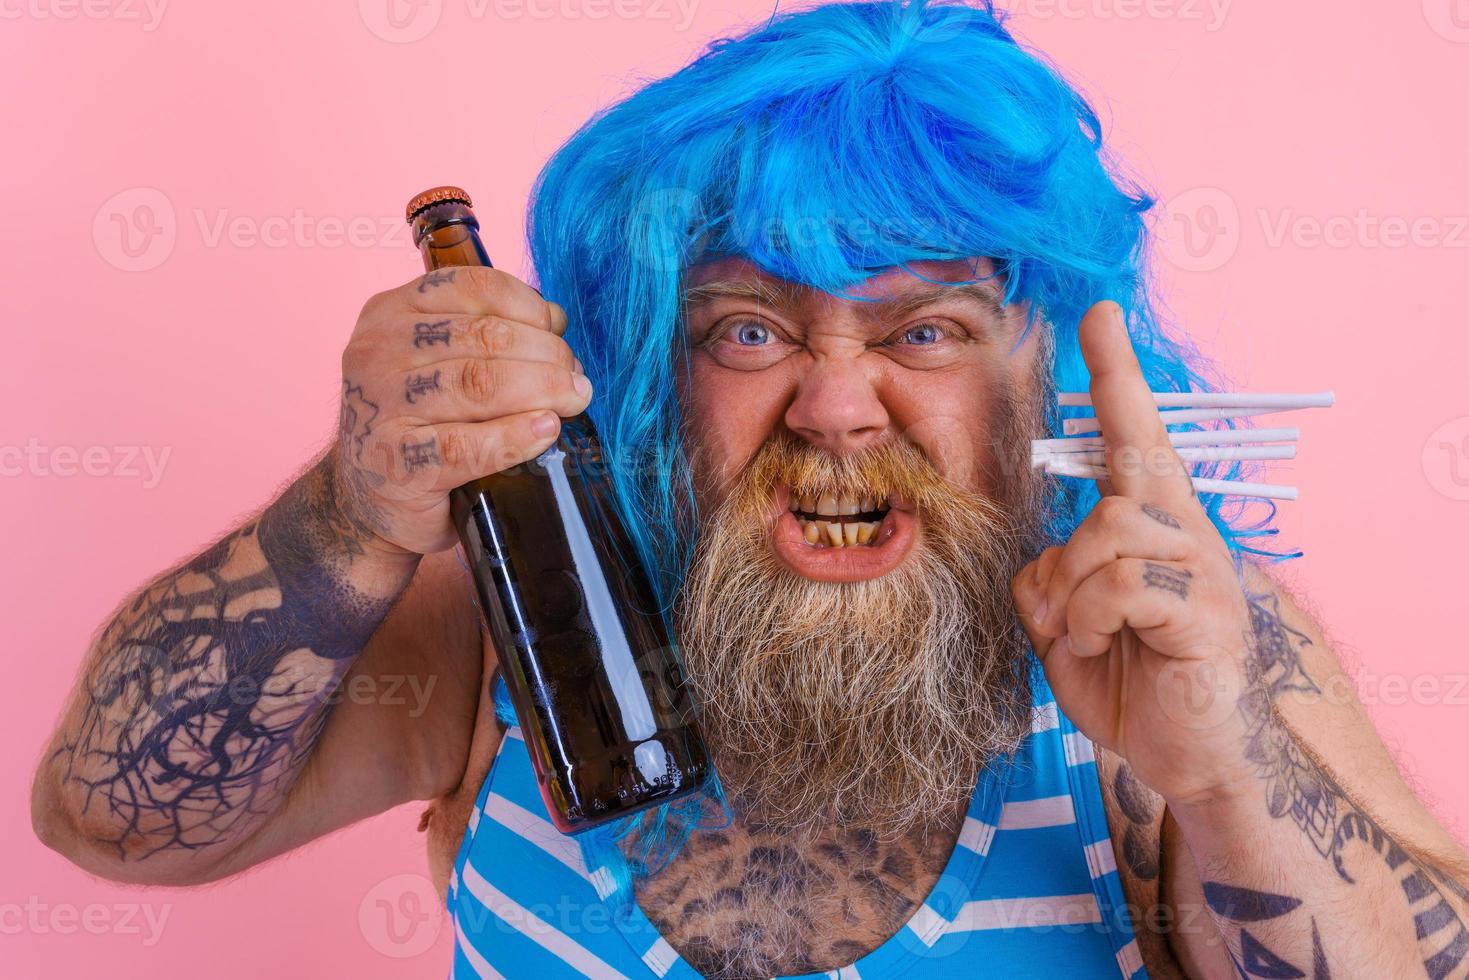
(893, 468)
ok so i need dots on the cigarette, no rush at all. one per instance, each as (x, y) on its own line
(1234, 487)
(1178, 416)
(1212, 437)
(1198, 454)
(1215, 399)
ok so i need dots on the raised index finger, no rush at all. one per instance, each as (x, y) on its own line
(1140, 460)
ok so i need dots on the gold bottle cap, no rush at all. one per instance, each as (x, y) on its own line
(437, 195)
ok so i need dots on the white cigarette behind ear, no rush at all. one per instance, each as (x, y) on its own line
(1215, 399)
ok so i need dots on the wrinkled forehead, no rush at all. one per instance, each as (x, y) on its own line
(914, 281)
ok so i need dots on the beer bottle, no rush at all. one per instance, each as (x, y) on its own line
(592, 672)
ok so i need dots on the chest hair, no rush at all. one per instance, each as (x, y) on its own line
(752, 901)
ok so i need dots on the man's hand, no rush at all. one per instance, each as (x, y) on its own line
(1139, 620)
(456, 375)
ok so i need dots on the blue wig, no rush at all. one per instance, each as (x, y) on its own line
(828, 144)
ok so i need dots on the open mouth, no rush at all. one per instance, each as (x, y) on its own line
(829, 521)
(842, 536)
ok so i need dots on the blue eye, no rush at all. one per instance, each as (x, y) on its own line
(922, 335)
(751, 334)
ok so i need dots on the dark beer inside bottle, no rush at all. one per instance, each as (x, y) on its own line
(591, 668)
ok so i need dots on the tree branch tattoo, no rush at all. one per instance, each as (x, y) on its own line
(216, 683)
(1300, 788)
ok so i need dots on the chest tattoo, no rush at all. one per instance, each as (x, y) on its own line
(750, 901)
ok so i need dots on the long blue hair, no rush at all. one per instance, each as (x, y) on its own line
(824, 145)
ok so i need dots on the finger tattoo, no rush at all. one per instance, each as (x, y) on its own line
(419, 385)
(1175, 580)
(1161, 516)
(435, 279)
(417, 455)
(428, 334)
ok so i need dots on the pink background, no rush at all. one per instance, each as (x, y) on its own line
(1255, 120)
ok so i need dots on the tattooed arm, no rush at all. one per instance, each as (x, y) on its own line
(1310, 854)
(211, 727)
(1326, 863)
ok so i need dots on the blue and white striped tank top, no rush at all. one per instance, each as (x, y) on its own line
(1031, 889)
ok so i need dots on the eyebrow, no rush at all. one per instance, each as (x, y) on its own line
(783, 295)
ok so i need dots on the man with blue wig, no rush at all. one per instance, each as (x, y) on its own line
(968, 719)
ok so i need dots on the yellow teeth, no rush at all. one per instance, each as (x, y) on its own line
(827, 519)
(833, 533)
(838, 534)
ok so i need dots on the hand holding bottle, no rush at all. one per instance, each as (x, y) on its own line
(453, 376)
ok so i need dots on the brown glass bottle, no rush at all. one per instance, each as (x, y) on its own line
(591, 669)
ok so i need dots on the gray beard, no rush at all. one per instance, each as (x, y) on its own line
(873, 703)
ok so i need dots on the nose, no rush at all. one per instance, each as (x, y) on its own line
(837, 407)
